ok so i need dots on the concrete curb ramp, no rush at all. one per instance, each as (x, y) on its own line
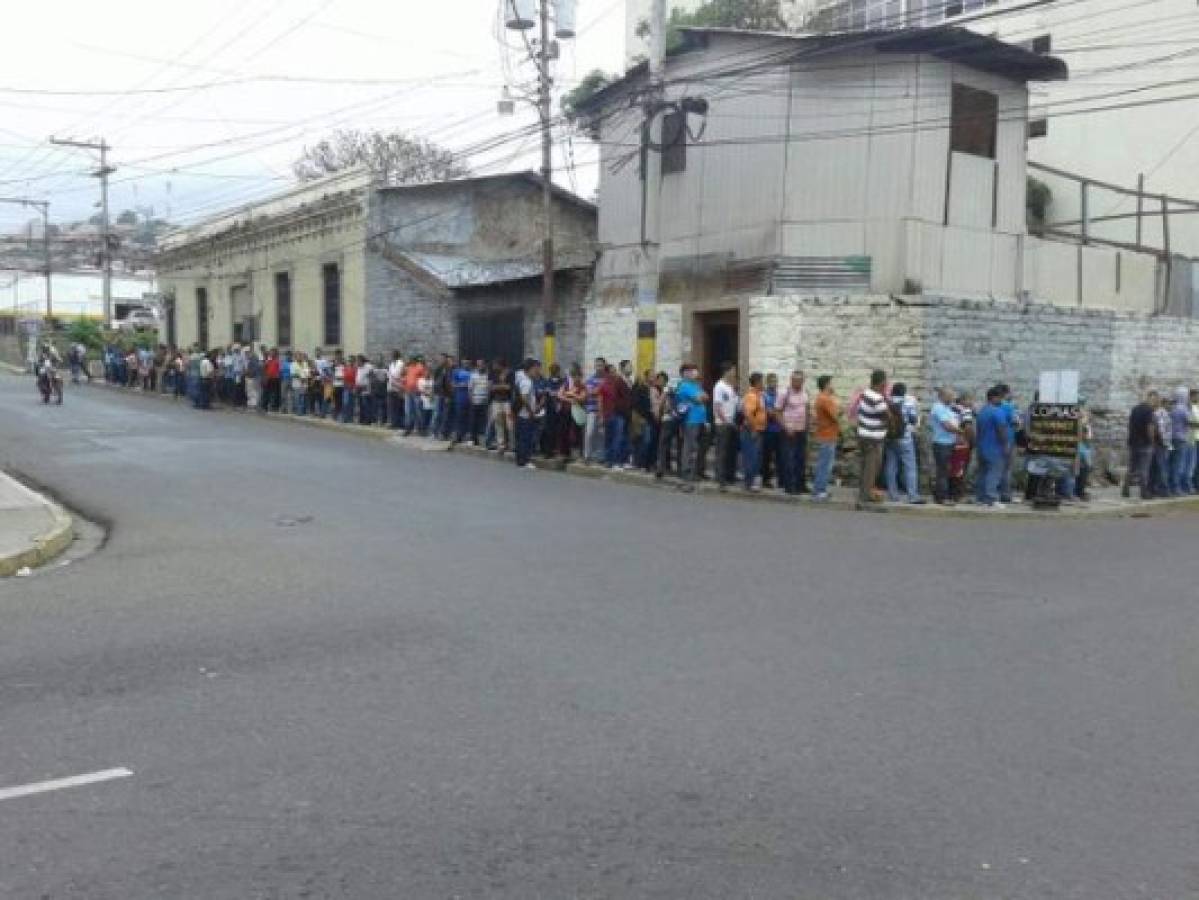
(842, 498)
(33, 530)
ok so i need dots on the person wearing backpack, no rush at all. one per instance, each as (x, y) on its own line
(903, 417)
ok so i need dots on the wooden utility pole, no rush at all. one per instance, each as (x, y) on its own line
(102, 173)
(649, 272)
(545, 110)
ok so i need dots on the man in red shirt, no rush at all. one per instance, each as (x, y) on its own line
(616, 402)
(349, 388)
(272, 397)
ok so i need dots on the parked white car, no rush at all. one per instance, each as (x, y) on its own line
(137, 320)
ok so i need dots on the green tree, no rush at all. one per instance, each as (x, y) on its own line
(753, 15)
(87, 332)
(394, 156)
(593, 82)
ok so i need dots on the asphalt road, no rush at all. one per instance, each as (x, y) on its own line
(457, 679)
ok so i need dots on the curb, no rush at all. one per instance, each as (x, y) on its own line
(707, 489)
(46, 546)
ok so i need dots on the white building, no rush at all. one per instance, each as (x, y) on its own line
(1115, 120)
(887, 165)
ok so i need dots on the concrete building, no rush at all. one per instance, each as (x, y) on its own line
(852, 201)
(344, 263)
(1116, 119)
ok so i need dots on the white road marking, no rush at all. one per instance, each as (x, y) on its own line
(42, 787)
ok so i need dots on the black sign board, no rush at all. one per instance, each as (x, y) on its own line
(1053, 430)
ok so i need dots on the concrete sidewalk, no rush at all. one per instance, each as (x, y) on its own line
(33, 530)
(1105, 502)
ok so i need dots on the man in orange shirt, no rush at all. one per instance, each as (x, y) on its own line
(827, 431)
(753, 426)
(413, 373)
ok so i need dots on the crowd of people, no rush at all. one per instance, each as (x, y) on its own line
(777, 434)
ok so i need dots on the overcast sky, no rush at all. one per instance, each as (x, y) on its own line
(437, 69)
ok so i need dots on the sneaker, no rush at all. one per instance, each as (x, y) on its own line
(530, 467)
(822, 497)
(917, 501)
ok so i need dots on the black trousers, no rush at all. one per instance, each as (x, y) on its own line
(942, 453)
(772, 445)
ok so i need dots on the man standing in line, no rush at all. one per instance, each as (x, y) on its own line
(1141, 440)
(946, 427)
(480, 397)
(827, 431)
(903, 420)
(872, 432)
(395, 391)
(993, 447)
(792, 409)
(1182, 446)
(460, 381)
(1194, 436)
(413, 373)
(690, 407)
(724, 410)
(772, 438)
(526, 406)
(593, 442)
(753, 428)
(1162, 429)
(671, 424)
(271, 372)
(1012, 413)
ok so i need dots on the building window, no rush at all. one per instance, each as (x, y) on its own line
(283, 309)
(202, 317)
(1038, 128)
(331, 276)
(974, 120)
(1042, 44)
(674, 143)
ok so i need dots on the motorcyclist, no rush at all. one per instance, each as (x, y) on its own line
(49, 381)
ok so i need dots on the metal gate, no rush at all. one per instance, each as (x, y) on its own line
(492, 336)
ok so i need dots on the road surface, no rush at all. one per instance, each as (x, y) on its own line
(339, 668)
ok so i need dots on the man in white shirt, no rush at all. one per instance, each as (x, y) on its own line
(528, 410)
(724, 410)
(395, 391)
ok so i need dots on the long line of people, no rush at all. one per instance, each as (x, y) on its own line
(771, 436)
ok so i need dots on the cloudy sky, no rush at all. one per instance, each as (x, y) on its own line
(207, 104)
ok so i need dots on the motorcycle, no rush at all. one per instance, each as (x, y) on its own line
(49, 382)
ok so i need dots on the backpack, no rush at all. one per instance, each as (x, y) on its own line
(897, 421)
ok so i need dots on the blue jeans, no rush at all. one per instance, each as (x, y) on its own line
(299, 402)
(461, 417)
(1003, 480)
(825, 457)
(901, 451)
(347, 404)
(526, 433)
(751, 455)
(987, 480)
(1180, 476)
(793, 462)
(1161, 471)
(412, 412)
(613, 440)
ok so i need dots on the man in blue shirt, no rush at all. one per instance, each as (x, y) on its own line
(593, 439)
(772, 440)
(690, 401)
(994, 443)
(946, 427)
(1012, 413)
(460, 381)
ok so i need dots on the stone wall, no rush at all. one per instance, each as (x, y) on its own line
(973, 345)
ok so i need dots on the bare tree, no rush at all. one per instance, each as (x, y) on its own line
(394, 156)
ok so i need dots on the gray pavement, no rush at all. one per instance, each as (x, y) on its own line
(33, 529)
(340, 668)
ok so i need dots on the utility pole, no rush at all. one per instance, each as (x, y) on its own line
(519, 16)
(102, 173)
(544, 110)
(651, 196)
(44, 206)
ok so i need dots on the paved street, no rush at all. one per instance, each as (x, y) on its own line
(338, 668)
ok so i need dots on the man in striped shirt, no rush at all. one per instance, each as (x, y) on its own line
(872, 432)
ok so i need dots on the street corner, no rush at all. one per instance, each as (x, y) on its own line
(33, 529)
